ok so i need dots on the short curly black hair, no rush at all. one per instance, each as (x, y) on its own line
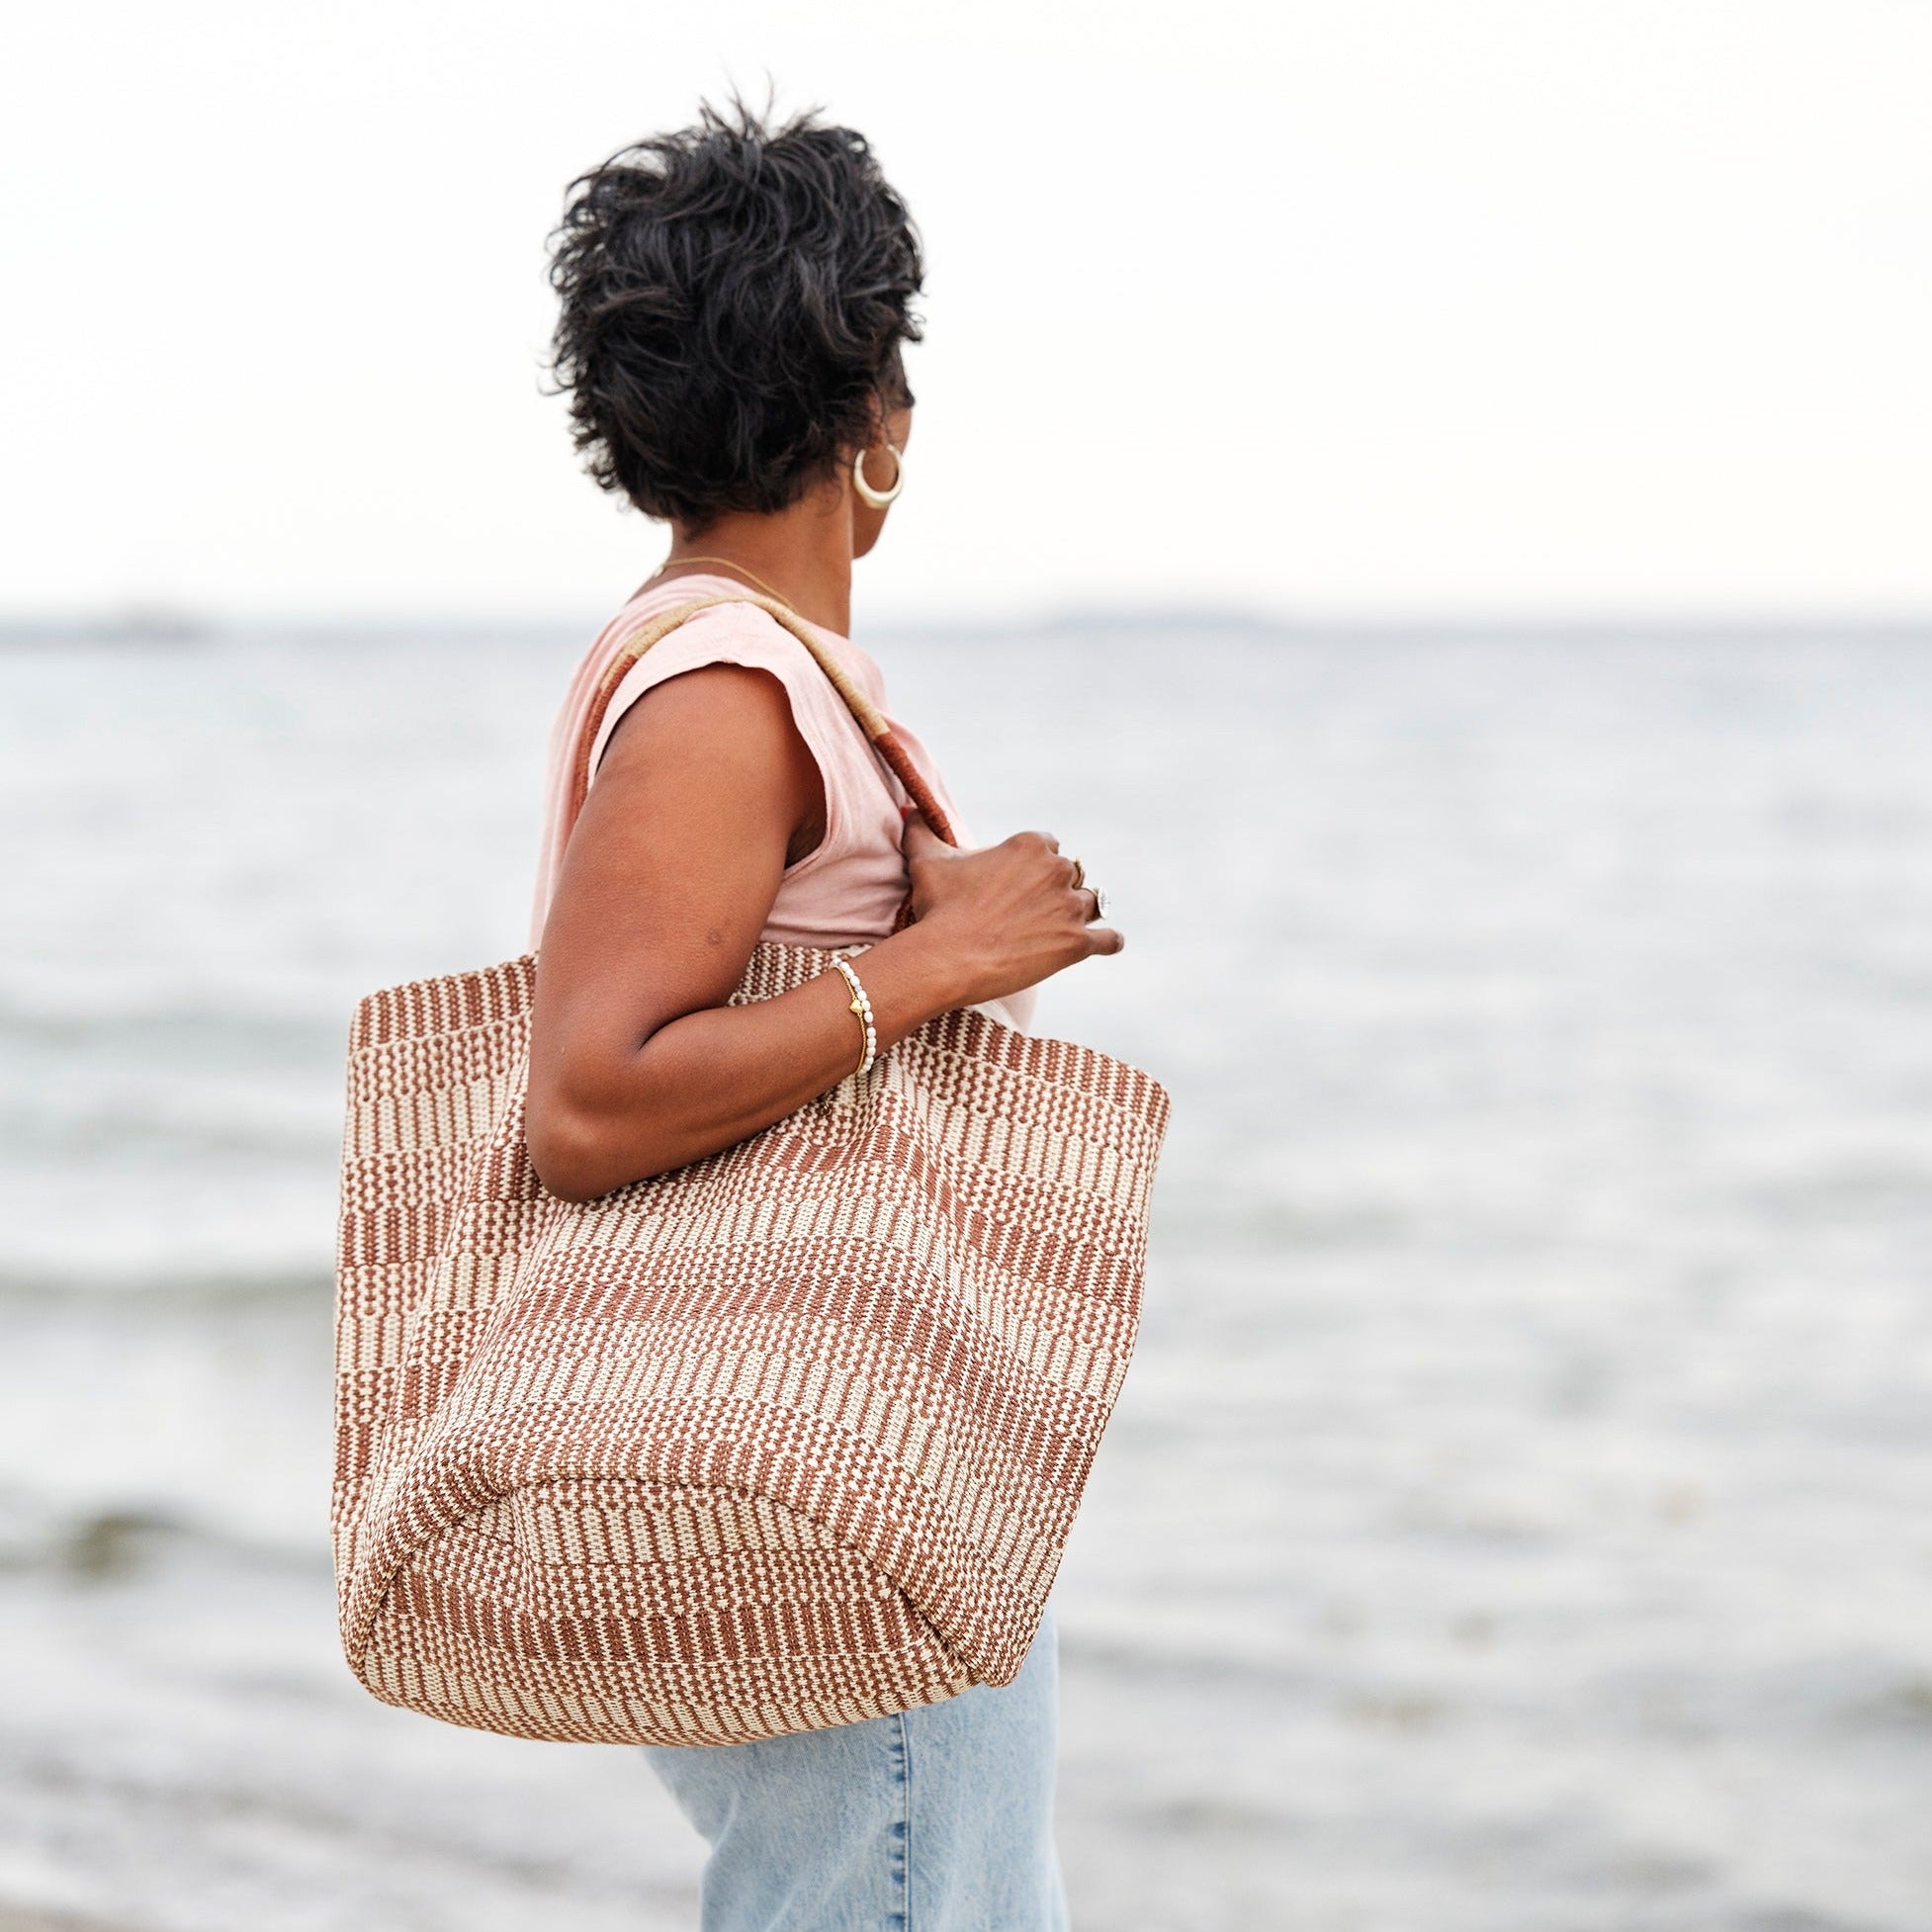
(735, 301)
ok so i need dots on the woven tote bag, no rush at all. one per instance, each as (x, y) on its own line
(787, 1438)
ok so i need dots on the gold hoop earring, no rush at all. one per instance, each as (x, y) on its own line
(879, 499)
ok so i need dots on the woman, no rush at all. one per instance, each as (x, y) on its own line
(735, 302)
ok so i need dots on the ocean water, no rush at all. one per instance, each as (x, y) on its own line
(1520, 1515)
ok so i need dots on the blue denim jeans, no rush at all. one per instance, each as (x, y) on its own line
(939, 1820)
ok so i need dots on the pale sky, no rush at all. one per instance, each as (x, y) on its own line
(1323, 307)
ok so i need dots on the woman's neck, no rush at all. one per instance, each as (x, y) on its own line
(803, 553)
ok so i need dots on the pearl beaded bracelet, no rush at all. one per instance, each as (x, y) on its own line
(861, 1009)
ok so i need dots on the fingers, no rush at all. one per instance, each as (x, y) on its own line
(1100, 938)
(918, 840)
(1087, 899)
(1039, 842)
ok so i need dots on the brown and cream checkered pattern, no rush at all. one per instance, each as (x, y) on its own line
(788, 1438)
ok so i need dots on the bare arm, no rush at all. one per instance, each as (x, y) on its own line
(637, 1065)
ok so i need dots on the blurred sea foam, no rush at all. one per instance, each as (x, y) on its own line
(1517, 1517)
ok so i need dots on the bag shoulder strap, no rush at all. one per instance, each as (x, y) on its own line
(870, 719)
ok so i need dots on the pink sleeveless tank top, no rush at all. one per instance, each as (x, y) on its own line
(848, 890)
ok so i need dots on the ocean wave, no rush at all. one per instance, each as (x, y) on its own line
(110, 1289)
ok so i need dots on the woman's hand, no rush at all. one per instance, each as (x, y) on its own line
(638, 1063)
(1007, 915)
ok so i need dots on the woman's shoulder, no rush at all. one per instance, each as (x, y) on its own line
(730, 632)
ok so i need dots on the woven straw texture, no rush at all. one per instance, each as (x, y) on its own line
(789, 1437)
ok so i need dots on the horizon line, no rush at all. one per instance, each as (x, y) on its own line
(156, 622)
